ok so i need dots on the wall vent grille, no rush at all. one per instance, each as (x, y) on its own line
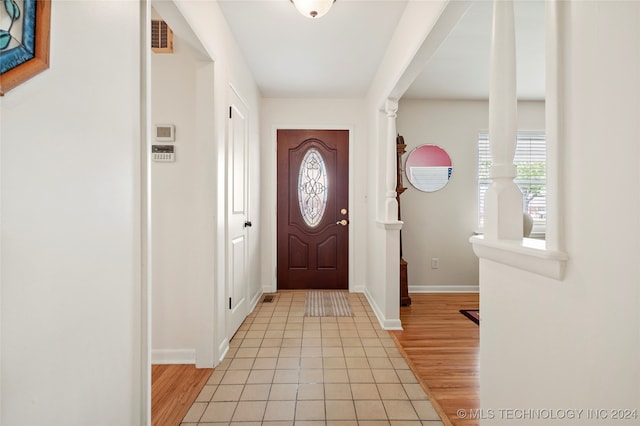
(161, 37)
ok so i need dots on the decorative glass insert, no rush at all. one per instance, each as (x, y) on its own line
(312, 187)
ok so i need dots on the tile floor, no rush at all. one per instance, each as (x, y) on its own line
(287, 369)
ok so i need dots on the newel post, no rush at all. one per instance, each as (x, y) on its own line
(503, 201)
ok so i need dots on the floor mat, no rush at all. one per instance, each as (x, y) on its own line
(327, 304)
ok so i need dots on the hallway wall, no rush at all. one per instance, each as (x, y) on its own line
(219, 68)
(71, 234)
(179, 196)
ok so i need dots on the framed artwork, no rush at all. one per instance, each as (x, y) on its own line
(24, 40)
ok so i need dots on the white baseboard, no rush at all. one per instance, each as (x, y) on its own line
(444, 289)
(357, 289)
(223, 348)
(392, 324)
(254, 301)
(386, 324)
(173, 356)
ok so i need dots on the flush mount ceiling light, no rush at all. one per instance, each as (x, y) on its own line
(313, 8)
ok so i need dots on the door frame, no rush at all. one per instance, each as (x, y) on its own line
(273, 180)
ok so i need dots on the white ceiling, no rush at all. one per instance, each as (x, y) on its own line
(294, 56)
(460, 68)
(337, 55)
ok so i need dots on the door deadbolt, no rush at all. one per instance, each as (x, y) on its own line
(343, 211)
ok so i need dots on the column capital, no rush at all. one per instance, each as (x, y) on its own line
(391, 107)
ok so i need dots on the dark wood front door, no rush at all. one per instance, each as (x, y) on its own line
(313, 216)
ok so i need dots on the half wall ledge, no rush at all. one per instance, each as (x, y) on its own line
(527, 254)
(394, 225)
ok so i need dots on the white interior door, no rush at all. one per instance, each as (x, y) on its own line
(238, 220)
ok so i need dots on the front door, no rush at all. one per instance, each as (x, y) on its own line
(313, 216)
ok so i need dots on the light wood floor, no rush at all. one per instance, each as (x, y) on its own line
(443, 346)
(173, 390)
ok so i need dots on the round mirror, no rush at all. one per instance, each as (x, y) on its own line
(428, 168)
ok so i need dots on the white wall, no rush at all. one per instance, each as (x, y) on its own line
(204, 25)
(71, 234)
(576, 343)
(176, 194)
(439, 224)
(316, 114)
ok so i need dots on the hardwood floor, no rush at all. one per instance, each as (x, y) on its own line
(173, 390)
(443, 346)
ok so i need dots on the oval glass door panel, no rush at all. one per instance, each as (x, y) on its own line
(428, 168)
(312, 187)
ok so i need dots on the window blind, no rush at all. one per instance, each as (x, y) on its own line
(531, 161)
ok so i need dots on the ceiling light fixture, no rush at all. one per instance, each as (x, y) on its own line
(313, 8)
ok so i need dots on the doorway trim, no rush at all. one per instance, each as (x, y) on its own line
(273, 204)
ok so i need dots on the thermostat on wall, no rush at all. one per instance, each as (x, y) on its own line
(165, 132)
(163, 153)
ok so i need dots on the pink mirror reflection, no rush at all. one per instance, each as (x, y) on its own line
(428, 168)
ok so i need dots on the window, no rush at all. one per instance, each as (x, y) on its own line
(531, 160)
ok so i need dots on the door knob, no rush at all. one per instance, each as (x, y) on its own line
(247, 224)
(343, 222)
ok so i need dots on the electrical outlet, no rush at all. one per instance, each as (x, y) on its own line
(435, 263)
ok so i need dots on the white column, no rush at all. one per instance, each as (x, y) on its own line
(391, 203)
(553, 112)
(503, 202)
